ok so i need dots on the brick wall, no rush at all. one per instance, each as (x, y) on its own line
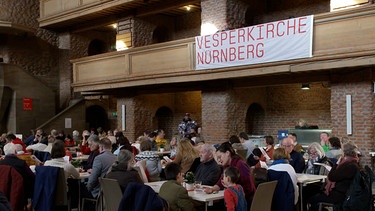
(363, 121)
(141, 112)
(214, 12)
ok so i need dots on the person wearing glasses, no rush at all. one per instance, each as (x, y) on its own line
(296, 159)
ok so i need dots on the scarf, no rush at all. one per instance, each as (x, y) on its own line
(279, 161)
(329, 184)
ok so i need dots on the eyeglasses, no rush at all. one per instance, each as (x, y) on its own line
(312, 153)
(286, 146)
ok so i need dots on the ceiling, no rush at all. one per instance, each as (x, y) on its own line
(104, 16)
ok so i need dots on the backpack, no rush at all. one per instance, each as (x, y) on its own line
(359, 195)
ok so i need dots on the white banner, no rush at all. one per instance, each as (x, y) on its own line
(269, 42)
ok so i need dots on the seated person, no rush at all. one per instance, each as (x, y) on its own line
(93, 143)
(339, 178)
(267, 152)
(253, 158)
(281, 163)
(237, 146)
(296, 158)
(123, 171)
(208, 171)
(317, 155)
(57, 155)
(153, 163)
(186, 154)
(233, 194)
(172, 191)
(335, 151)
(21, 167)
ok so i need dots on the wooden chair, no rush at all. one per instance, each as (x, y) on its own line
(111, 193)
(262, 200)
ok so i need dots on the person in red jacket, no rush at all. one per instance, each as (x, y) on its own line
(85, 148)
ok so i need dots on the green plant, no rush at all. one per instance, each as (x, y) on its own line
(189, 177)
(161, 145)
(76, 163)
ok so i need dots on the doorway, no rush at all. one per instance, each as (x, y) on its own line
(96, 116)
(164, 120)
(255, 119)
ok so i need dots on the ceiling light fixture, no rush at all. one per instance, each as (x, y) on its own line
(305, 86)
(188, 8)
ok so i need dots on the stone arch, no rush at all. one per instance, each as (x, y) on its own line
(96, 116)
(160, 34)
(96, 47)
(164, 120)
(254, 121)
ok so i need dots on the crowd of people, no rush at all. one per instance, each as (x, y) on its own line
(229, 165)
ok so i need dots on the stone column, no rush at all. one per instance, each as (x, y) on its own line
(215, 116)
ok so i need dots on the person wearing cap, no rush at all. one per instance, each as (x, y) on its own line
(185, 126)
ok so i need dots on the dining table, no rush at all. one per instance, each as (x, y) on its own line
(81, 157)
(305, 179)
(197, 195)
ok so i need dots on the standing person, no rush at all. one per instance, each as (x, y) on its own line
(185, 126)
(226, 156)
(296, 159)
(234, 196)
(100, 167)
(208, 170)
(172, 191)
(324, 137)
(249, 145)
(186, 154)
(339, 178)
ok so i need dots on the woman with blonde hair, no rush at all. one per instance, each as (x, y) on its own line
(186, 154)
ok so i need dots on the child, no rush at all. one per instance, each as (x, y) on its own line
(233, 195)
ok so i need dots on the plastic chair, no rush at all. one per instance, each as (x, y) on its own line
(262, 200)
(111, 193)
